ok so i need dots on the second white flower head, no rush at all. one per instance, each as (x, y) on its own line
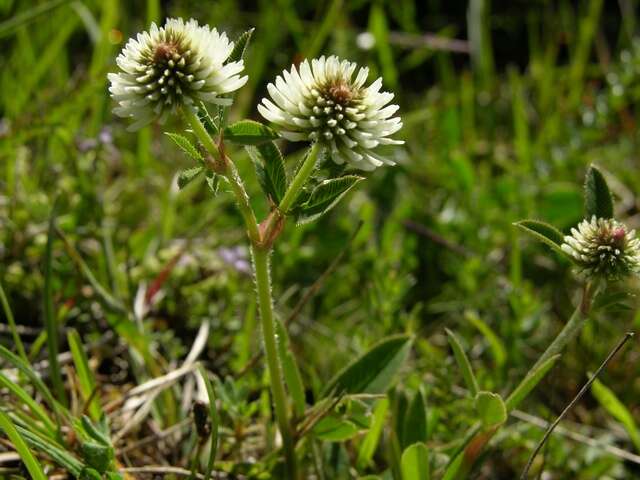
(321, 101)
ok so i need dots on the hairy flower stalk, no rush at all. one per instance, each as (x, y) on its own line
(604, 248)
(175, 66)
(321, 101)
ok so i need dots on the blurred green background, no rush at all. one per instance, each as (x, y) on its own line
(505, 104)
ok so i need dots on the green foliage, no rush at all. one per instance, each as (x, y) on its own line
(133, 266)
(597, 197)
(188, 175)
(415, 421)
(491, 409)
(324, 197)
(185, 145)
(530, 381)
(415, 462)
(34, 468)
(249, 132)
(270, 170)
(215, 423)
(463, 364)
(618, 410)
(544, 232)
(85, 375)
(240, 45)
(374, 370)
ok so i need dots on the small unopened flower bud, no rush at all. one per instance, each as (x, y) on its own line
(602, 247)
(175, 66)
(322, 101)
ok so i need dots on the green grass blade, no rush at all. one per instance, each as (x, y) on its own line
(26, 399)
(12, 325)
(496, 346)
(60, 456)
(87, 380)
(371, 440)
(33, 378)
(380, 30)
(29, 460)
(291, 372)
(324, 30)
(50, 321)
(612, 404)
(463, 363)
(109, 301)
(529, 383)
(23, 18)
(215, 423)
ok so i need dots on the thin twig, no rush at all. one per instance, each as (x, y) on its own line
(577, 436)
(560, 430)
(575, 400)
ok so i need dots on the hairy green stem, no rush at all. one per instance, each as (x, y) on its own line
(201, 132)
(229, 171)
(572, 328)
(263, 286)
(476, 442)
(260, 254)
(301, 177)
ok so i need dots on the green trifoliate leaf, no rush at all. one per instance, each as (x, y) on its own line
(597, 197)
(414, 462)
(374, 371)
(270, 169)
(491, 409)
(544, 232)
(240, 46)
(185, 145)
(324, 197)
(249, 132)
(113, 476)
(188, 175)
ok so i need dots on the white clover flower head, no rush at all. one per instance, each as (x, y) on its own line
(603, 247)
(175, 66)
(322, 101)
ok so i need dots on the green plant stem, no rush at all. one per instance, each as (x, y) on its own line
(478, 440)
(200, 132)
(260, 255)
(572, 328)
(263, 287)
(303, 174)
(229, 171)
